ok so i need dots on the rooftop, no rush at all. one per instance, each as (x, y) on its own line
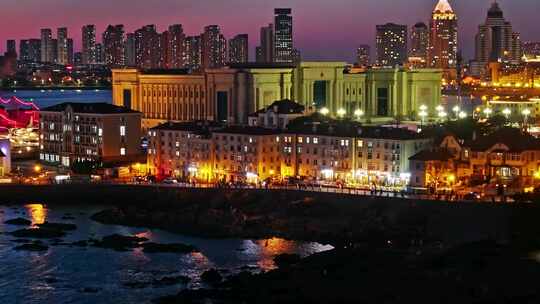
(432, 154)
(90, 108)
(515, 139)
(166, 72)
(246, 130)
(443, 7)
(197, 127)
(284, 106)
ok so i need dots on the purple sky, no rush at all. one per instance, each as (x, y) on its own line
(324, 29)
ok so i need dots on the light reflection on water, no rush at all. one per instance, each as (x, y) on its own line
(59, 274)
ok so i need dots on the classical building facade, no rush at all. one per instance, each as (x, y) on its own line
(230, 94)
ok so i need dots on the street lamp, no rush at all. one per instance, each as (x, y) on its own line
(341, 112)
(358, 114)
(423, 115)
(442, 115)
(439, 108)
(526, 112)
(456, 110)
(488, 112)
(462, 115)
(507, 113)
(324, 111)
(423, 108)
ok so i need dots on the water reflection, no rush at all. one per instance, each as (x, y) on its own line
(37, 212)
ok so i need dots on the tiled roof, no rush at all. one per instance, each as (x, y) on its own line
(90, 108)
(196, 127)
(247, 130)
(285, 106)
(515, 139)
(432, 154)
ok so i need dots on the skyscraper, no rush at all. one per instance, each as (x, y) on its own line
(46, 46)
(100, 53)
(419, 41)
(11, 47)
(89, 44)
(239, 49)
(531, 49)
(62, 46)
(163, 61)
(214, 48)
(70, 51)
(391, 40)
(496, 41)
(363, 55)
(176, 46)
(114, 46)
(131, 50)
(283, 35)
(443, 39)
(265, 51)
(192, 52)
(30, 50)
(147, 47)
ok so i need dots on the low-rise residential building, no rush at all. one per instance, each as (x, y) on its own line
(277, 115)
(5, 157)
(72, 132)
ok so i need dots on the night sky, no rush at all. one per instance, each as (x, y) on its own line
(324, 29)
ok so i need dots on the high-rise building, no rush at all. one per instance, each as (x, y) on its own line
(70, 51)
(100, 54)
(391, 40)
(419, 41)
(30, 50)
(163, 61)
(62, 46)
(443, 39)
(239, 49)
(176, 46)
(89, 44)
(147, 47)
(54, 50)
(214, 48)
(363, 55)
(531, 49)
(114, 46)
(77, 58)
(11, 47)
(496, 41)
(283, 35)
(265, 51)
(47, 55)
(131, 50)
(192, 52)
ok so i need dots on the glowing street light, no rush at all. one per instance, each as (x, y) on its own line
(423, 115)
(324, 111)
(439, 108)
(358, 113)
(341, 112)
(526, 112)
(488, 112)
(442, 115)
(423, 108)
(462, 115)
(507, 113)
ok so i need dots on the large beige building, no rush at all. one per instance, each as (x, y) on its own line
(231, 94)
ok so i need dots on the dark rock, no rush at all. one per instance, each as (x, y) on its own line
(167, 248)
(38, 233)
(211, 277)
(32, 247)
(58, 226)
(19, 222)
(168, 281)
(119, 242)
(286, 260)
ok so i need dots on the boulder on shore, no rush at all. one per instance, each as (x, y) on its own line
(58, 226)
(119, 242)
(38, 233)
(168, 248)
(36, 246)
(18, 222)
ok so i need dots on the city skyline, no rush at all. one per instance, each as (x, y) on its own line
(339, 43)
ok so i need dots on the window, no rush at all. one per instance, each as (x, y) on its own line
(122, 130)
(122, 151)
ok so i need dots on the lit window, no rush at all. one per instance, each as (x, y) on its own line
(122, 151)
(100, 132)
(315, 140)
(122, 130)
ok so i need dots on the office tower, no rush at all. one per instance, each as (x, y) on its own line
(214, 48)
(62, 46)
(89, 44)
(30, 50)
(283, 35)
(131, 50)
(265, 52)
(54, 50)
(78, 58)
(176, 46)
(391, 40)
(163, 61)
(363, 55)
(239, 49)
(147, 47)
(296, 56)
(531, 49)
(11, 47)
(443, 39)
(100, 54)
(70, 51)
(114, 46)
(496, 41)
(46, 46)
(419, 41)
(192, 55)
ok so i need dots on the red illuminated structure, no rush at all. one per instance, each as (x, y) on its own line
(16, 113)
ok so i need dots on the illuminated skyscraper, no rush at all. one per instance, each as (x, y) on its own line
(363, 55)
(176, 46)
(443, 39)
(131, 50)
(30, 50)
(62, 46)
(391, 40)
(147, 41)
(47, 55)
(214, 48)
(114, 46)
(419, 41)
(265, 51)
(11, 47)
(89, 44)
(238, 49)
(192, 52)
(283, 35)
(70, 51)
(496, 41)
